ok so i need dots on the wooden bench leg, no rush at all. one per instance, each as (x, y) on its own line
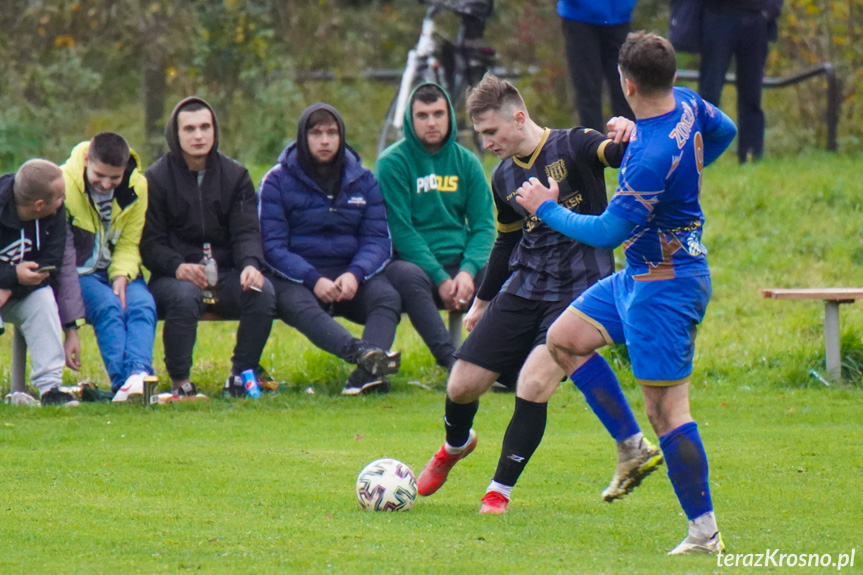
(455, 318)
(19, 362)
(831, 340)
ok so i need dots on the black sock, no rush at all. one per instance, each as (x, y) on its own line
(458, 420)
(523, 436)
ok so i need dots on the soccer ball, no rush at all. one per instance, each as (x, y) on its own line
(386, 485)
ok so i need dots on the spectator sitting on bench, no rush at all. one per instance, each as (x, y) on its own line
(33, 238)
(325, 234)
(198, 195)
(106, 201)
(440, 211)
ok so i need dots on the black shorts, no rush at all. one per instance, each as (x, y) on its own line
(507, 332)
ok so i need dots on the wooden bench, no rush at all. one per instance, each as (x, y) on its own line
(832, 298)
(17, 380)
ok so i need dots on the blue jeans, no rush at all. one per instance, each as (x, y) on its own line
(125, 337)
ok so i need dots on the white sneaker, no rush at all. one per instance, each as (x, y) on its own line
(133, 386)
(694, 546)
(22, 398)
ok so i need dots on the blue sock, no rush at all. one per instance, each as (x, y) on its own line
(603, 394)
(687, 469)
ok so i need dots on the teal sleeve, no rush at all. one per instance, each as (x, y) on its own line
(409, 244)
(480, 220)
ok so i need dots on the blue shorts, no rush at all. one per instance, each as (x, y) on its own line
(656, 320)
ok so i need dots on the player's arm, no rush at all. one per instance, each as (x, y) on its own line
(606, 152)
(509, 224)
(719, 131)
(605, 231)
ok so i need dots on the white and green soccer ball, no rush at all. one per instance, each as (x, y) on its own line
(386, 485)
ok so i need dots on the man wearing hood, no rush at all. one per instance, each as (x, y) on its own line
(106, 201)
(439, 208)
(325, 236)
(32, 243)
(199, 195)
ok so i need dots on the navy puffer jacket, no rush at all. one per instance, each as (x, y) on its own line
(307, 235)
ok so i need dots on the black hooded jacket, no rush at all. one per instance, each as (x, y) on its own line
(182, 216)
(42, 241)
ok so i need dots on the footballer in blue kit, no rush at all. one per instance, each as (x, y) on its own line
(655, 304)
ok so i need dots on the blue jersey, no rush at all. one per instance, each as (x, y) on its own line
(659, 187)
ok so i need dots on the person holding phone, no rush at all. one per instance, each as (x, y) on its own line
(106, 201)
(32, 243)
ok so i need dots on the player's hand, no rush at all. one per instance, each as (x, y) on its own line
(533, 194)
(326, 290)
(348, 286)
(447, 291)
(476, 310)
(118, 286)
(192, 273)
(620, 129)
(464, 290)
(251, 279)
(72, 349)
(27, 274)
(5, 294)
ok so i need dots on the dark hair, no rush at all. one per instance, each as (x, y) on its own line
(492, 95)
(33, 181)
(109, 148)
(649, 61)
(427, 94)
(320, 116)
(193, 106)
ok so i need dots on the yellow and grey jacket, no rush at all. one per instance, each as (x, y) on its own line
(127, 217)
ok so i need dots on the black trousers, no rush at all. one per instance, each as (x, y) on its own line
(375, 305)
(743, 35)
(180, 304)
(591, 53)
(421, 301)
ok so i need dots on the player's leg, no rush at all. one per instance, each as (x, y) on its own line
(537, 381)
(590, 323)
(499, 343)
(668, 410)
(668, 312)
(467, 382)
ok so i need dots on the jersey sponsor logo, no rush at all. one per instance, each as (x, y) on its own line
(683, 129)
(434, 182)
(556, 170)
(16, 250)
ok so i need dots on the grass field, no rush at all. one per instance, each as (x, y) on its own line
(267, 486)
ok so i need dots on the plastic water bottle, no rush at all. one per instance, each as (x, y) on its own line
(250, 382)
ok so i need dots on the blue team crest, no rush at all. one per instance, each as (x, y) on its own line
(556, 170)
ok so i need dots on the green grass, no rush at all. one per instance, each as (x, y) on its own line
(267, 486)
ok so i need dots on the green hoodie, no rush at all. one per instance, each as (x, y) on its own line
(439, 206)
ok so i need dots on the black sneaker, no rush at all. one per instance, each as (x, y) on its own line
(378, 362)
(59, 398)
(361, 381)
(188, 389)
(234, 387)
